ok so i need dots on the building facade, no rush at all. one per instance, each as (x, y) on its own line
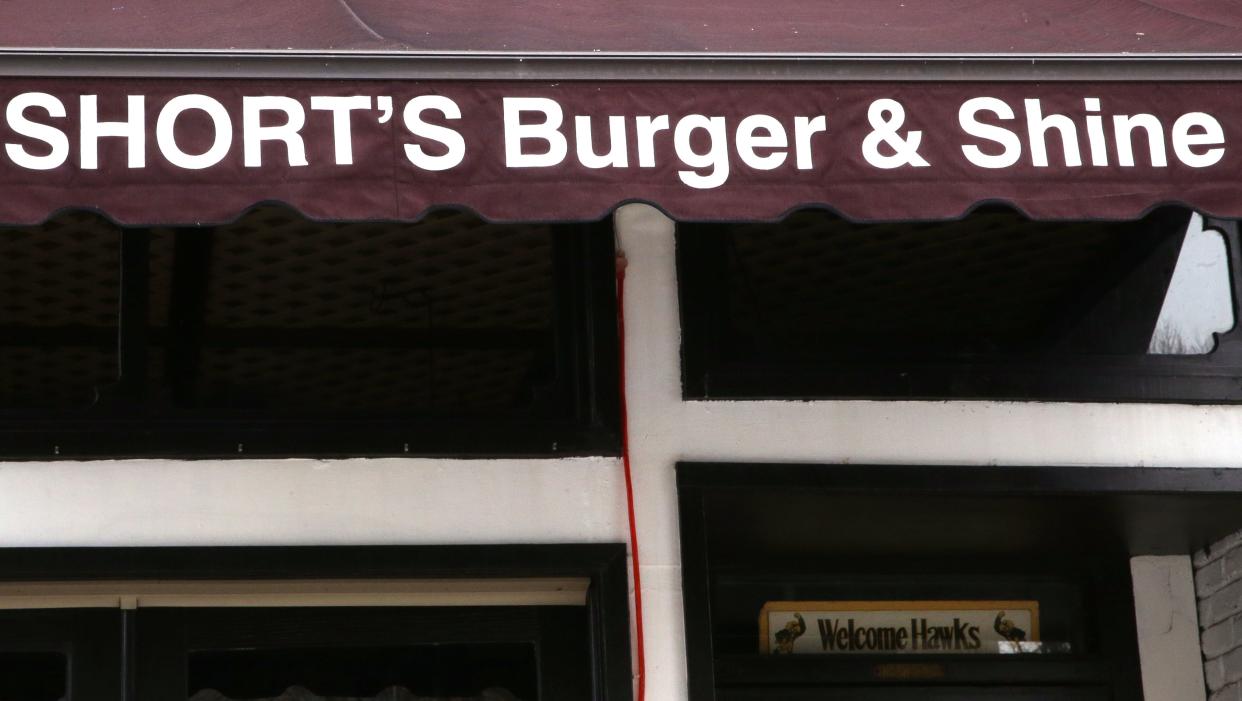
(400, 405)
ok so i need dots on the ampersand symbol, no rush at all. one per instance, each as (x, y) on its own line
(886, 117)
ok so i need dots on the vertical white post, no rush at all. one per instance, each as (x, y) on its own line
(657, 420)
(1168, 628)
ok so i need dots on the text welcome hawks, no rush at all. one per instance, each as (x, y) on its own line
(847, 636)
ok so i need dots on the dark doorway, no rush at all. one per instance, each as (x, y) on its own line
(567, 648)
(782, 550)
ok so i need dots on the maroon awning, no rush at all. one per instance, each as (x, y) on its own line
(656, 26)
(186, 113)
(197, 151)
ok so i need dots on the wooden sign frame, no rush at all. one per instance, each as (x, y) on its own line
(1030, 606)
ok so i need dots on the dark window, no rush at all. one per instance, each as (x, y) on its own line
(275, 335)
(986, 542)
(34, 676)
(991, 306)
(59, 303)
(482, 671)
(60, 655)
(562, 648)
(527, 653)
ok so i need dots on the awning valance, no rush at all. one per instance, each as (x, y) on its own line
(184, 152)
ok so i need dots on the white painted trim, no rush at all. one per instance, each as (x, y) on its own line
(311, 502)
(1168, 629)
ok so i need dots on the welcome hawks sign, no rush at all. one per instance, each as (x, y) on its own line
(187, 152)
(896, 627)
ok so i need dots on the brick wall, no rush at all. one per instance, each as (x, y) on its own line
(1218, 584)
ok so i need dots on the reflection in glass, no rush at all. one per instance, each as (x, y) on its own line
(816, 287)
(1199, 300)
(1033, 648)
(430, 672)
(297, 693)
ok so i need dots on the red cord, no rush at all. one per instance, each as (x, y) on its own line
(641, 675)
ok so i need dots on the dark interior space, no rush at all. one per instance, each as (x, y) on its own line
(990, 306)
(808, 536)
(279, 335)
(428, 671)
(33, 676)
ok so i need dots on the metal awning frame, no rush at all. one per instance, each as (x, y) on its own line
(620, 66)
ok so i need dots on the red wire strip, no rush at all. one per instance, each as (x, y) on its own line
(641, 675)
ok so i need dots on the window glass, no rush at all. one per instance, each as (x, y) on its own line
(59, 292)
(455, 653)
(33, 676)
(283, 314)
(483, 672)
(277, 335)
(875, 581)
(991, 306)
(59, 654)
(1199, 303)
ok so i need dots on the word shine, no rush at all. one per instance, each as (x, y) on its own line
(1197, 138)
